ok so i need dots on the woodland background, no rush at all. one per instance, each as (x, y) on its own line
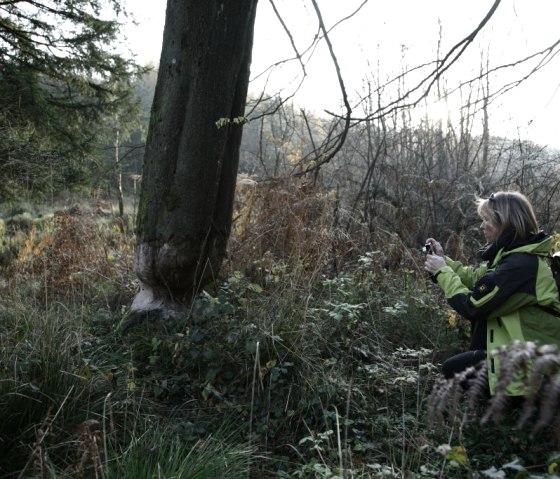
(315, 352)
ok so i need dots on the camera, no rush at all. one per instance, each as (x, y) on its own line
(427, 249)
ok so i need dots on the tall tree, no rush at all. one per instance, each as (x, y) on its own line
(60, 78)
(192, 150)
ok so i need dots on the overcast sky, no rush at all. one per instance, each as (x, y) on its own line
(385, 37)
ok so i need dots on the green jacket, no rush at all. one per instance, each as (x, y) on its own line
(506, 293)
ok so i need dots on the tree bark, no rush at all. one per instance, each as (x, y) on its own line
(190, 163)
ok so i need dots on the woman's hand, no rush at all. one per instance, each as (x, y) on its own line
(437, 249)
(434, 262)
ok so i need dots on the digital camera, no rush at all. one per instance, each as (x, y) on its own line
(427, 249)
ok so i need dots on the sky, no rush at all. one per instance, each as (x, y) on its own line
(384, 38)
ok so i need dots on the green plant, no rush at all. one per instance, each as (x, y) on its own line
(44, 388)
(326, 375)
(162, 450)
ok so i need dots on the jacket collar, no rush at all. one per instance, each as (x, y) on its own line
(508, 242)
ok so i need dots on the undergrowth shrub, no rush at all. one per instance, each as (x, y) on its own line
(323, 346)
(289, 221)
(292, 357)
(71, 248)
(70, 253)
(310, 332)
(61, 278)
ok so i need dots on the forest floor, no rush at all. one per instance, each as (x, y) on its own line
(293, 364)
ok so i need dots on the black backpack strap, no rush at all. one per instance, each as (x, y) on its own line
(554, 263)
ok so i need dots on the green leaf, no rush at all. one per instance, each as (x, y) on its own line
(255, 288)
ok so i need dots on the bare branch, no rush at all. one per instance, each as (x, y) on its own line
(287, 30)
(307, 51)
(548, 54)
(332, 149)
(441, 67)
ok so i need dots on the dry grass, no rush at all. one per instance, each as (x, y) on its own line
(290, 221)
(73, 249)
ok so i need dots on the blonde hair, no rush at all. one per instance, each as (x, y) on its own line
(510, 210)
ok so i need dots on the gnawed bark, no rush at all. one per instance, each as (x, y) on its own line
(191, 159)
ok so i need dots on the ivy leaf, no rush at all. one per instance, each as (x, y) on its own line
(458, 454)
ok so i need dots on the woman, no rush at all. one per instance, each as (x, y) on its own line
(512, 295)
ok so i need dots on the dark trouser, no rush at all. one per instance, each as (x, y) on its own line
(458, 363)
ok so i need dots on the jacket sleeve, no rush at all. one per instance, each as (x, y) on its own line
(468, 275)
(494, 293)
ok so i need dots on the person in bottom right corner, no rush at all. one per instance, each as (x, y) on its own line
(511, 296)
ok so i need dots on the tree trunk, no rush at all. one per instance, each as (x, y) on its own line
(190, 163)
(120, 195)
